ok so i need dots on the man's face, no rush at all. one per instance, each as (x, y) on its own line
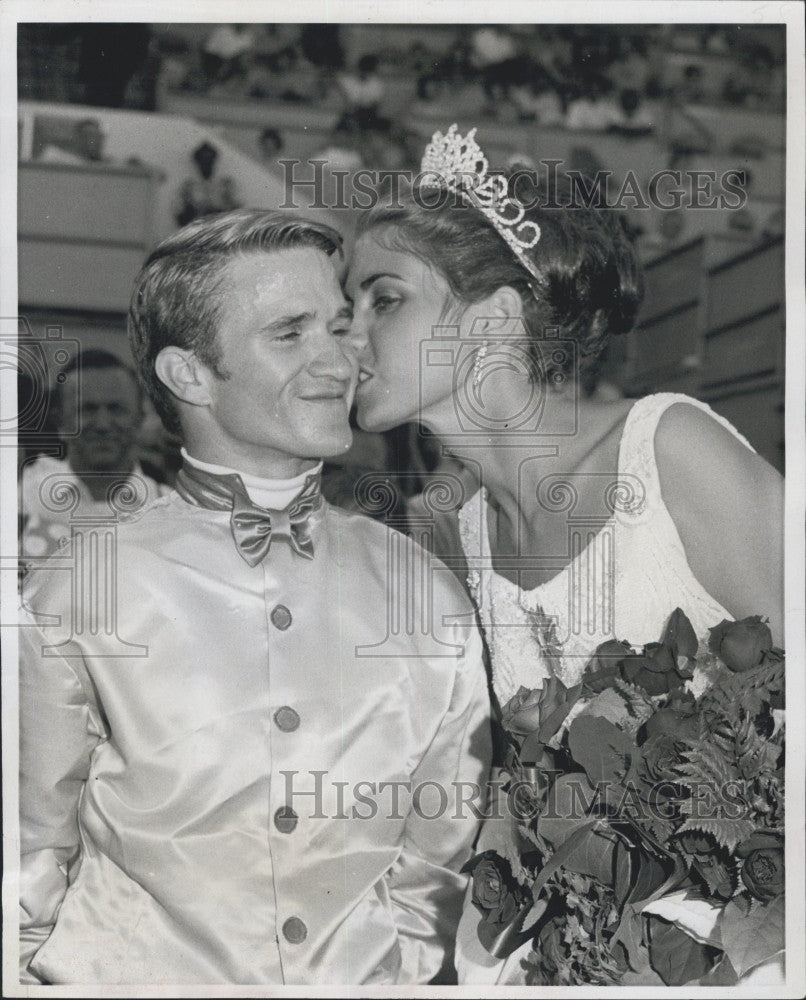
(90, 140)
(109, 416)
(284, 334)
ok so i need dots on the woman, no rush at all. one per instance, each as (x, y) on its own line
(580, 521)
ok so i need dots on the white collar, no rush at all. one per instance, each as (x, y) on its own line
(274, 494)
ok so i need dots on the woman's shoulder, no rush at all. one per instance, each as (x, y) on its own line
(666, 427)
(691, 440)
(700, 457)
(676, 413)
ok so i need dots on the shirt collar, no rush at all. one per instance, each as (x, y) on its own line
(273, 494)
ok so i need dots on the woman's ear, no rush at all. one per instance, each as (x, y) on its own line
(495, 314)
(186, 377)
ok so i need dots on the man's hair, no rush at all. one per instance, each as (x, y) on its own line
(177, 294)
(85, 361)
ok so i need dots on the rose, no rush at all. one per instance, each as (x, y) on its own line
(603, 666)
(741, 645)
(495, 892)
(521, 714)
(655, 670)
(539, 713)
(672, 722)
(661, 756)
(763, 869)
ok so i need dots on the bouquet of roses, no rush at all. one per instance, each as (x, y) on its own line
(647, 838)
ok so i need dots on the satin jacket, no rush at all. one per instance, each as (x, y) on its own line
(246, 775)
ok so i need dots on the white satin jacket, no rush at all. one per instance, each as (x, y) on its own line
(186, 701)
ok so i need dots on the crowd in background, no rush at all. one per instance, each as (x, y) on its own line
(542, 71)
(579, 77)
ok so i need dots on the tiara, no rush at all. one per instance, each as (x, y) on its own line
(461, 166)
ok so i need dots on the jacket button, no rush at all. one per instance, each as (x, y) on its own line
(294, 930)
(286, 718)
(285, 819)
(281, 617)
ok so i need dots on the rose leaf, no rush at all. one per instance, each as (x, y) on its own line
(676, 957)
(603, 750)
(630, 935)
(751, 938)
(567, 807)
(722, 974)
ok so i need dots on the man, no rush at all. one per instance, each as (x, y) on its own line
(98, 406)
(207, 191)
(254, 775)
(86, 146)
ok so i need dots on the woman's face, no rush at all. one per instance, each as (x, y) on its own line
(399, 302)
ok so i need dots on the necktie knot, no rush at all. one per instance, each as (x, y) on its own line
(253, 528)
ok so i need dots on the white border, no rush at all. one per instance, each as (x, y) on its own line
(790, 12)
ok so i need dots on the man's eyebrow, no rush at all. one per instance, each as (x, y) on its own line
(374, 277)
(346, 312)
(285, 321)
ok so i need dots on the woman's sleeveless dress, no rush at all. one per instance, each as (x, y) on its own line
(626, 576)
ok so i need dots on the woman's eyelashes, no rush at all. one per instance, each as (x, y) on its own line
(385, 302)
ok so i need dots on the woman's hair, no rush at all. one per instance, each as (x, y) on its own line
(177, 295)
(588, 280)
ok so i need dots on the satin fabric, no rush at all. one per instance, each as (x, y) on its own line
(253, 527)
(151, 774)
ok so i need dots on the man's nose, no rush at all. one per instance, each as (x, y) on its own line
(335, 360)
(99, 418)
(357, 340)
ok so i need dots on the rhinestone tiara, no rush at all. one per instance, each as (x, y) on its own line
(461, 166)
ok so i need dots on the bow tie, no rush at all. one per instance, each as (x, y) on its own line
(253, 528)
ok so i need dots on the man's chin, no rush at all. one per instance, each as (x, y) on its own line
(334, 448)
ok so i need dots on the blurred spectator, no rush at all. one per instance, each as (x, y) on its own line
(321, 46)
(437, 71)
(749, 82)
(105, 395)
(111, 55)
(270, 145)
(362, 91)
(691, 89)
(536, 100)
(205, 192)
(225, 50)
(492, 55)
(278, 77)
(594, 113)
(635, 118)
(343, 151)
(85, 145)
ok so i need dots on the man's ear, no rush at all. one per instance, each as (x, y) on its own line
(182, 372)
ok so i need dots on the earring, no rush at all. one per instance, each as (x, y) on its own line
(478, 361)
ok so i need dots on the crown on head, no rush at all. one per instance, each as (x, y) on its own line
(461, 166)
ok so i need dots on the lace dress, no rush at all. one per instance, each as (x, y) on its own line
(625, 577)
